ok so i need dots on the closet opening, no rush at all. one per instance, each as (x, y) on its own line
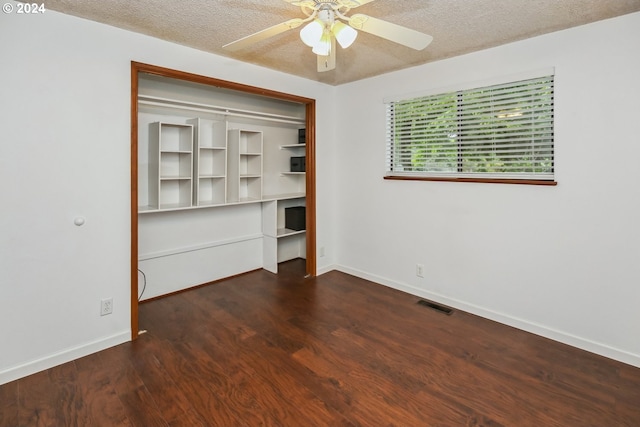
(222, 181)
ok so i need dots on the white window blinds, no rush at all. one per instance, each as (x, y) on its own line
(498, 132)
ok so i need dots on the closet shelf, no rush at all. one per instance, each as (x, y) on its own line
(285, 232)
(292, 146)
(209, 108)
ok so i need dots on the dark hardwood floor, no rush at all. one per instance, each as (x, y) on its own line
(267, 350)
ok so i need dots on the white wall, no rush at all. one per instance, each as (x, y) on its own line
(65, 152)
(560, 261)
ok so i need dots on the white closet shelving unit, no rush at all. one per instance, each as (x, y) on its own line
(279, 243)
(213, 160)
(170, 165)
(210, 162)
(226, 157)
(245, 166)
(297, 150)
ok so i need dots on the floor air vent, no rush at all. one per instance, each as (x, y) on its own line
(436, 306)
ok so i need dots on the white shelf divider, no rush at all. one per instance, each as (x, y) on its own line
(210, 162)
(170, 165)
(244, 165)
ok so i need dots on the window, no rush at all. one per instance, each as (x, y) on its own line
(501, 133)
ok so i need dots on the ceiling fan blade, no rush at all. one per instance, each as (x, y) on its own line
(328, 63)
(264, 34)
(351, 4)
(396, 33)
(303, 3)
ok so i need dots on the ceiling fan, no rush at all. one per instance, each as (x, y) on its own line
(326, 25)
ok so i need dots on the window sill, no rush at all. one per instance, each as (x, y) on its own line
(483, 180)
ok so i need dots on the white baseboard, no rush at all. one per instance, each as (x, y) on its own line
(534, 328)
(61, 357)
(325, 269)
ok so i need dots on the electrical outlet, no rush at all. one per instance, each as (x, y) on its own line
(321, 251)
(419, 270)
(106, 306)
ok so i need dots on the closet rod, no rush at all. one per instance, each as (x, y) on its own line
(222, 111)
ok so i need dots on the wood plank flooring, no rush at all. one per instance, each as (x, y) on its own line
(279, 350)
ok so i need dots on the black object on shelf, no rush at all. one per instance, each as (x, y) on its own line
(295, 218)
(302, 136)
(298, 164)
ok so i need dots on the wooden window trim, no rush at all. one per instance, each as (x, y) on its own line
(477, 180)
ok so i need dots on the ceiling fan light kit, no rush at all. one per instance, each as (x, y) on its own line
(311, 33)
(317, 34)
(325, 26)
(323, 46)
(344, 34)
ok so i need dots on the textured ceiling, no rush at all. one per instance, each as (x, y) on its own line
(458, 27)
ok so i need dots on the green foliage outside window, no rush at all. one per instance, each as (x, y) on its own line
(504, 129)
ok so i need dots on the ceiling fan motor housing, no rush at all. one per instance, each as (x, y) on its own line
(327, 16)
